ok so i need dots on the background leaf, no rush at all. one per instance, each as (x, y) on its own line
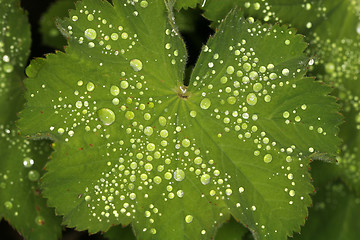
(176, 160)
(50, 34)
(21, 161)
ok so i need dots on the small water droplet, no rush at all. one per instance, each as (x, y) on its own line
(40, 220)
(144, 4)
(106, 116)
(148, 131)
(189, 218)
(28, 162)
(90, 86)
(33, 175)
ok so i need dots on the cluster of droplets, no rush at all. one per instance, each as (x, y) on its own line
(15, 179)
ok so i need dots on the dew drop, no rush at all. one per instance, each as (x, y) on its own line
(39, 220)
(251, 99)
(144, 4)
(33, 175)
(189, 218)
(90, 34)
(106, 116)
(90, 87)
(114, 90)
(257, 87)
(8, 68)
(28, 162)
(148, 131)
(8, 205)
(205, 179)
(193, 114)
(179, 175)
(136, 64)
(205, 103)
(230, 70)
(267, 158)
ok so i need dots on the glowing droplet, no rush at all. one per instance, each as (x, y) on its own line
(144, 4)
(251, 99)
(90, 34)
(33, 175)
(257, 87)
(292, 193)
(205, 103)
(205, 179)
(8, 205)
(90, 86)
(28, 162)
(136, 64)
(8, 68)
(267, 158)
(114, 90)
(148, 131)
(185, 142)
(106, 116)
(39, 220)
(189, 218)
(179, 175)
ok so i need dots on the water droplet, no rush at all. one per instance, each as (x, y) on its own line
(179, 175)
(292, 193)
(8, 68)
(230, 70)
(257, 87)
(148, 131)
(8, 205)
(251, 99)
(136, 64)
(205, 179)
(193, 114)
(90, 86)
(144, 4)
(162, 121)
(90, 34)
(129, 115)
(87, 198)
(189, 218)
(285, 72)
(90, 17)
(106, 116)
(33, 175)
(114, 90)
(28, 162)
(267, 158)
(205, 103)
(40, 220)
(185, 142)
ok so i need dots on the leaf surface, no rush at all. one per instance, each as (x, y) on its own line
(134, 145)
(21, 161)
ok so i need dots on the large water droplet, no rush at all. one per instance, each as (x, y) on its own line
(179, 175)
(106, 116)
(90, 34)
(205, 179)
(136, 64)
(267, 158)
(251, 99)
(205, 103)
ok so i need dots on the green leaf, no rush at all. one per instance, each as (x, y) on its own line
(333, 30)
(335, 215)
(21, 161)
(133, 145)
(50, 34)
(231, 230)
